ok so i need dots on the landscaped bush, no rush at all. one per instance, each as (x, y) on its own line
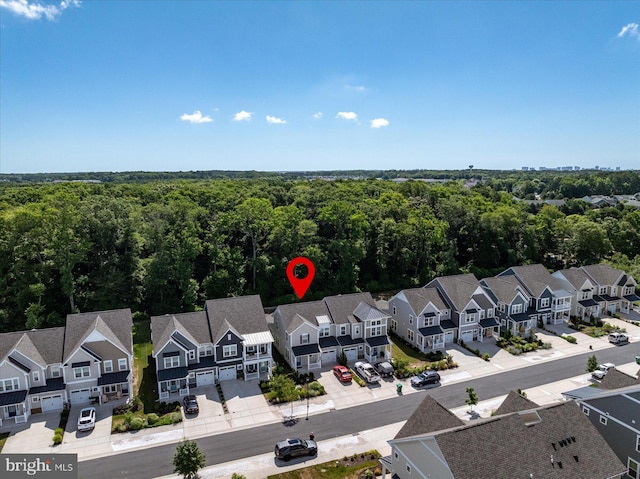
(136, 423)
(57, 438)
(569, 338)
(152, 419)
(165, 408)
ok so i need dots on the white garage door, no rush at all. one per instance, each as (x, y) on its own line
(329, 357)
(467, 336)
(204, 379)
(224, 374)
(352, 354)
(51, 403)
(80, 396)
(448, 337)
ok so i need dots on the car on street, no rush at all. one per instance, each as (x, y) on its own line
(87, 419)
(602, 369)
(289, 448)
(618, 338)
(342, 373)
(190, 404)
(425, 378)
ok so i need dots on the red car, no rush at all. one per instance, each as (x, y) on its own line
(342, 373)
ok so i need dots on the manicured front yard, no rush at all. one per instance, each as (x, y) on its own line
(349, 467)
(404, 352)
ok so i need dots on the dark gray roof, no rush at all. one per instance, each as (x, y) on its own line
(448, 324)
(113, 378)
(520, 448)
(514, 402)
(53, 384)
(489, 323)
(603, 274)
(172, 373)
(193, 326)
(534, 277)
(13, 397)
(616, 379)
(419, 298)
(305, 349)
(115, 325)
(342, 307)
(503, 288)
(328, 342)
(576, 276)
(294, 314)
(43, 346)
(457, 288)
(428, 417)
(377, 341)
(245, 314)
(430, 330)
(349, 341)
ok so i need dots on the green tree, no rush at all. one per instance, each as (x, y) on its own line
(188, 459)
(472, 398)
(283, 389)
(592, 364)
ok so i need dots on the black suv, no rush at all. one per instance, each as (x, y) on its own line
(295, 447)
(190, 404)
(424, 378)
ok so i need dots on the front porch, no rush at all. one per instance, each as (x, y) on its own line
(377, 349)
(430, 339)
(173, 382)
(13, 407)
(114, 386)
(489, 329)
(307, 357)
(258, 369)
(519, 325)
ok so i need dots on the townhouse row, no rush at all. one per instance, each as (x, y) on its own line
(91, 357)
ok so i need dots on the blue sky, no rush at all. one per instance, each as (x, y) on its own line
(301, 85)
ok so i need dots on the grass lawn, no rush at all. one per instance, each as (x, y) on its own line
(145, 383)
(346, 469)
(3, 439)
(401, 350)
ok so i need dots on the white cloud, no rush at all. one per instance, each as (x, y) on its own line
(347, 115)
(275, 120)
(318, 115)
(630, 29)
(355, 87)
(243, 116)
(36, 10)
(196, 117)
(379, 123)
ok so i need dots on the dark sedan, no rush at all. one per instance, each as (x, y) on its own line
(190, 404)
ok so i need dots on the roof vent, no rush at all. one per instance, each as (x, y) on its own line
(560, 464)
(553, 444)
(573, 438)
(576, 458)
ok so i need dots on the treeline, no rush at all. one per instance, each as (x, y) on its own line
(165, 246)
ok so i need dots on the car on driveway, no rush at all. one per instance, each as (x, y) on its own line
(190, 404)
(425, 378)
(289, 448)
(342, 373)
(602, 369)
(87, 419)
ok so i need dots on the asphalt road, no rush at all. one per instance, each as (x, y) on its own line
(156, 461)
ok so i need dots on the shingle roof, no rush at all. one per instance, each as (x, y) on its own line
(419, 298)
(294, 314)
(534, 277)
(514, 402)
(603, 274)
(520, 450)
(616, 379)
(193, 326)
(428, 417)
(342, 306)
(245, 314)
(503, 288)
(576, 276)
(458, 288)
(115, 325)
(43, 346)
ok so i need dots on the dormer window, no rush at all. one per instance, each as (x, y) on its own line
(55, 371)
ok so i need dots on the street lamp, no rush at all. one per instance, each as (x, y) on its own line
(307, 383)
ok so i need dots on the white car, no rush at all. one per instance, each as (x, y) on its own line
(602, 370)
(87, 419)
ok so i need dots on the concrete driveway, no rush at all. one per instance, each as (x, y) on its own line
(84, 442)
(34, 436)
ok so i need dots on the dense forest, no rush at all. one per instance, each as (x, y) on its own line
(165, 245)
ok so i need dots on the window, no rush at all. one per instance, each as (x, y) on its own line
(356, 330)
(638, 444)
(429, 321)
(7, 385)
(35, 399)
(516, 309)
(420, 340)
(110, 389)
(250, 350)
(482, 314)
(502, 307)
(585, 410)
(603, 290)
(408, 468)
(544, 303)
(395, 455)
(469, 318)
(633, 469)
(171, 362)
(343, 329)
(286, 337)
(206, 350)
(82, 372)
(603, 420)
(36, 376)
(122, 364)
(490, 313)
(394, 309)
(192, 354)
(304, 338)
(410, 319)
(410, 335)
(108, 366)
(55, 371)
(229, 350)
(325, 332)
(298, 362)
(394, 325)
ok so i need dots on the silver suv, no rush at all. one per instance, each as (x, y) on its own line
(295, 447)
(618, 338)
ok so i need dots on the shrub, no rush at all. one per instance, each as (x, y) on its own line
(59, 430)
(176, 417)
(442, 364)
(57, 438)
(136, 423)
(569, 338)
(152, 418)
(486, 356)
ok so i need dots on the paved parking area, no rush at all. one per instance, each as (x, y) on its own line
(34, 436)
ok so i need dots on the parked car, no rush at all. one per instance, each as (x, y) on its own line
(602, 370)
(87, 419)
(190, 404)
(425, 378)
(342, 373)
(618, 338)
(367, 372)
(295, 447)
(385, 369)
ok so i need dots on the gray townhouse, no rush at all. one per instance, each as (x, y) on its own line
(89, 359)
(549, 297)
(551, 441)
(511, 301)
(469, 309)
(230, 339)
(616, 416)
(312, 334)
(417, 317)
(599, 290)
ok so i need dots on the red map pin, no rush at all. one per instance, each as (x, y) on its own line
(300, 285)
